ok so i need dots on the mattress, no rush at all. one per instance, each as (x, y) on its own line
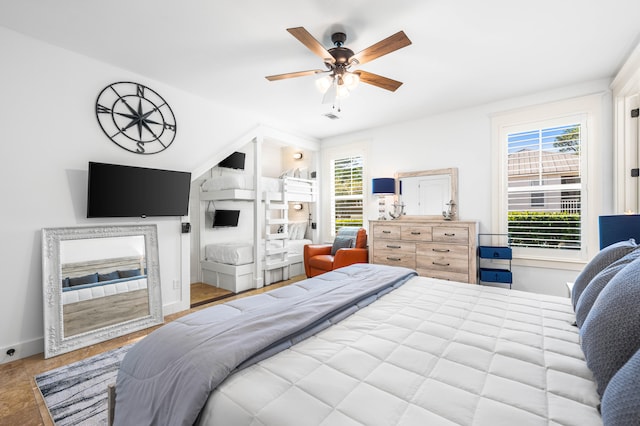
(240, 181)
(98, 291)
(429, 353)
(242, 253)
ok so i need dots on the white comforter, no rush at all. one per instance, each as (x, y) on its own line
(430, 353)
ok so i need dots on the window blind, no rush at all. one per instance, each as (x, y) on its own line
(544, 187)
(347, 192)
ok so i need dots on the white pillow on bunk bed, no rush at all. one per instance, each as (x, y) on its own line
(297, 230)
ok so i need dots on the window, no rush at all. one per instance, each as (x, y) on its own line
(558, 150)
(544, 187)
(347, 194)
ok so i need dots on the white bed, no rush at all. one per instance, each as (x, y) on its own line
(95, 292)
(237, 186)
(429, 353)
(230, 265)
(375, 345)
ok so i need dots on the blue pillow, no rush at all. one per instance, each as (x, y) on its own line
(604, 258)
(129, 273)
(611, 333)
(599, 282)
(109, 276)
(621, 401)
(86, 279)
(342, 242)
(65, 282)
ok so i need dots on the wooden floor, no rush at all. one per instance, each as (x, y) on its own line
(20, 399)
(202, 293)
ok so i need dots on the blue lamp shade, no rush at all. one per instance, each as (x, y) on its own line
(619, 228)
(383, 186)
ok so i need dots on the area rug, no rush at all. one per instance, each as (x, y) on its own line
(76, 394)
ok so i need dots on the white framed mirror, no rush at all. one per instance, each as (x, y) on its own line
(426, 194)
(98, 283)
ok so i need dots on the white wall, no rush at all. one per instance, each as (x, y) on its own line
(462, 139)
(49, 134)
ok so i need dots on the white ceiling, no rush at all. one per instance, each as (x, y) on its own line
(464, 52)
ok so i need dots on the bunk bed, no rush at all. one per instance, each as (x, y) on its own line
(232, 265)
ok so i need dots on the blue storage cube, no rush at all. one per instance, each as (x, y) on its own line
(496, 275)
(490, 252)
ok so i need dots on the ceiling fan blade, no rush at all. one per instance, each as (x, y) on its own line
(378, 80)
(388, 45)
(312, 44)
(293, 74)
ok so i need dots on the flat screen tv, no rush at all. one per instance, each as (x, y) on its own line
(225, 218)
(126, 191)
(234, 161)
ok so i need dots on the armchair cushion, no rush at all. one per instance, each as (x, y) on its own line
(341, 242)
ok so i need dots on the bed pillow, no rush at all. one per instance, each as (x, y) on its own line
(604, 258)
(86, 279)
(621, 401)
(341, 242)
(109, 276)
(129, 273)
(297, 230)
(610, 334)
(598, 283)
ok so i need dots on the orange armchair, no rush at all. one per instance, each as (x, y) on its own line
(349, 247)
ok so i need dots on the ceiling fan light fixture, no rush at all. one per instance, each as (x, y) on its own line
(342, 91)
(350, 80)
(324, 83)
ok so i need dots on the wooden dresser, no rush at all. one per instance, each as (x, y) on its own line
(438, 249)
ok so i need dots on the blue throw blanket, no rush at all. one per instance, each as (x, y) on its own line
(166, 378)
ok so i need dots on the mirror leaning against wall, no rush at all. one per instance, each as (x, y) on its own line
(98, 283)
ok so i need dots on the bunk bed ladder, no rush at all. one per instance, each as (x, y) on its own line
(276, 229)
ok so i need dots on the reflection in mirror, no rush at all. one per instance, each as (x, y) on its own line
(428, 193)
(99, 283)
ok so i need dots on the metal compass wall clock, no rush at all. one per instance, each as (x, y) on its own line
(135, 118)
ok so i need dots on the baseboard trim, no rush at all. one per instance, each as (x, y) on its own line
(22, 350)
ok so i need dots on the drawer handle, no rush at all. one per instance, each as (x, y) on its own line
(441, 250)
(441, 264)
(395, 259)
(386, 232)
(394, 247)
(415, 232)
(448, 234)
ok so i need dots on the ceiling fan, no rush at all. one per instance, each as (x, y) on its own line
(339, 61)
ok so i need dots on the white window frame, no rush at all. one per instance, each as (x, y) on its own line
(585, 110)
(328, 155)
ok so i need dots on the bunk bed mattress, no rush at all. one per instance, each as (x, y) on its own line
(240, 181)
(430, 352)
(242, 253)
(230, 253)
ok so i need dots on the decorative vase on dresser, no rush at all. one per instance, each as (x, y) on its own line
(434, 248)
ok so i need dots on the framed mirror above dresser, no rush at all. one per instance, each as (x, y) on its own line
(427, 194)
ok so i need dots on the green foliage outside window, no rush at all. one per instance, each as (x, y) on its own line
(544, 229)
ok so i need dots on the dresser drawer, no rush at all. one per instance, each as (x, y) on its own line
(396, 253)
(451, 235)
(386, 232)
(443, 275)
(415, 233)
(395, 246)
(443, 257)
